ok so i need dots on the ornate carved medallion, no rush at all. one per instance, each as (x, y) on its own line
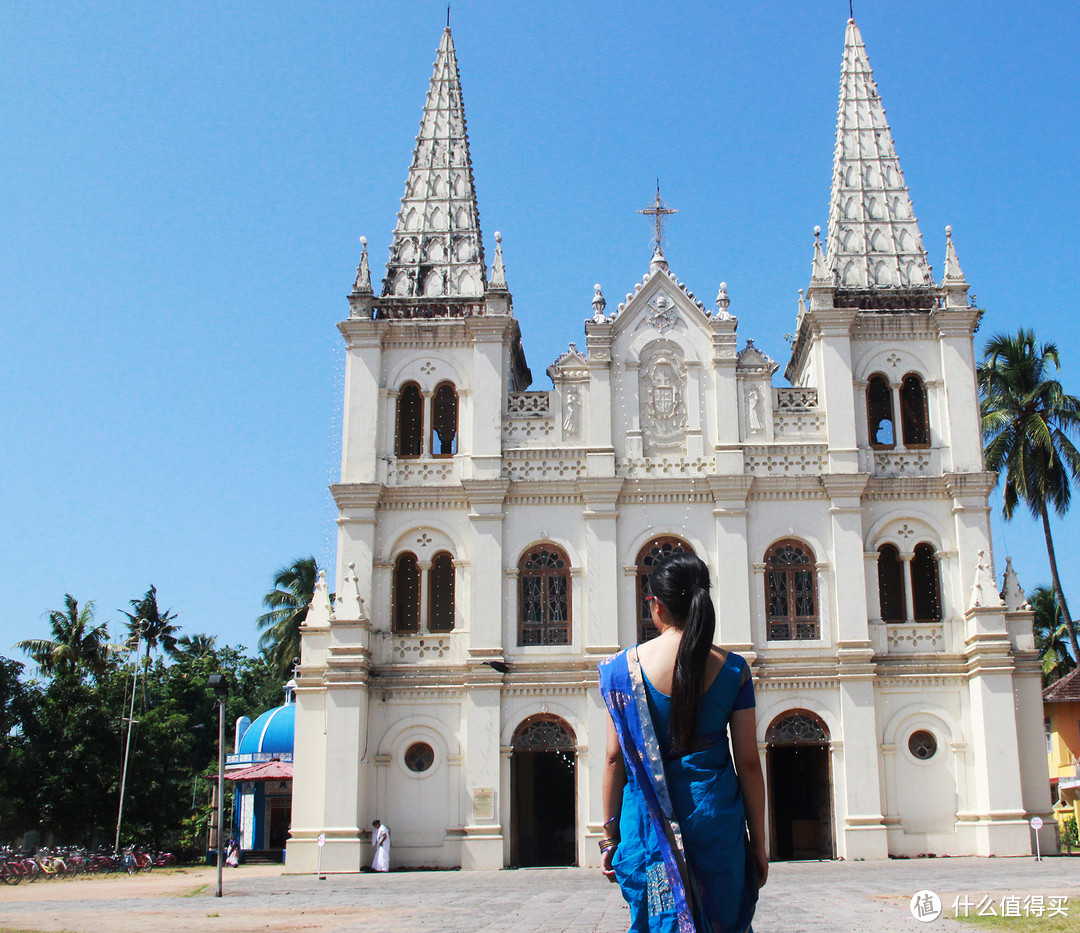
(662, 398)
(661, 312)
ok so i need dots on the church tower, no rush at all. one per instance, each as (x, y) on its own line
(892, 354)
(429, 361)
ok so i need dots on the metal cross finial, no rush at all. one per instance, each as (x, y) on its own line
(659, 210)
(448, 16)
(850, 9)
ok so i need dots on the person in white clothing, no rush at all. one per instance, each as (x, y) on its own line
(380, 840)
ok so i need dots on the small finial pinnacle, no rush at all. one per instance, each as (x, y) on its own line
(817, 232)
(948, 232)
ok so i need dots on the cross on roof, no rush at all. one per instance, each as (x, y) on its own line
(659, 210)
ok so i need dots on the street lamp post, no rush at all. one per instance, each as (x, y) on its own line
(140, 628)
(219, 683)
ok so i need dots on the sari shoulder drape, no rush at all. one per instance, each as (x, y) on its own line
(681, 861)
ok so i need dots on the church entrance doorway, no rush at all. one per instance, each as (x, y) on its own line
(543, 782)
(800, 789)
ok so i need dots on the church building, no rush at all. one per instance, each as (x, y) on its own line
(494, 541)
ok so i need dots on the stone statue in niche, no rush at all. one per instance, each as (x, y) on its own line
(755, 411)
(662, 399)
(571, 404)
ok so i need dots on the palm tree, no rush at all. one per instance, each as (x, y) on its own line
(148, 622)
(191, 648)
(76, 641)
(294, 589)
(1027, 421)
(1051, 636)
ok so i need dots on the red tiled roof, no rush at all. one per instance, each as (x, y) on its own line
(267, 771)
(1065, 690)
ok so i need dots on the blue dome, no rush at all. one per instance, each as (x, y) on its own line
(271, 733)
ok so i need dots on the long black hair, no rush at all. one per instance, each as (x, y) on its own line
(681, 582)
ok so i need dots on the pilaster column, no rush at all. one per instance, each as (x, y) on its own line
(362, 442)
(598, 340)
(845, 513)
(488, 398)
(486, 498)
(833, 328)
(733, 572)
(909, 588)
(962, 435)
(601, 612)
(729, 458)
(999, 818)
(482, 846)
(864, 834)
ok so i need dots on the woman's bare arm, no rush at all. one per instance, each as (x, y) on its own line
(752, 783)
(614, 781)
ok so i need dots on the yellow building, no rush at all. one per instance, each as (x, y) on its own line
(1061, 708)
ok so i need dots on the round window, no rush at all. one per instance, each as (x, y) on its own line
(419, 756)
(922, 744)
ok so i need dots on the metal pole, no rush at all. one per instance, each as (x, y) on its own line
(220, 792)
(127, 747)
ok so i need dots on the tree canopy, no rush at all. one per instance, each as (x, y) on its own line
(1028, 422)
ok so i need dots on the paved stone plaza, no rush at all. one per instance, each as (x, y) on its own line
(801, 897)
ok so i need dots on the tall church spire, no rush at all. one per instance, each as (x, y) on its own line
(437, 251)
(873, 239)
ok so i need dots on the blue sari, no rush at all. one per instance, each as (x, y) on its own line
(683, 860)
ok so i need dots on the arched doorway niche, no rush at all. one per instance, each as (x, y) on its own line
(799, 786)
(543, 782)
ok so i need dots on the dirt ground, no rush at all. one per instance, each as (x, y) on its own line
(161, 882)
(91, 903)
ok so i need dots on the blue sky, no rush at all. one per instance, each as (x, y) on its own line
(183, 185)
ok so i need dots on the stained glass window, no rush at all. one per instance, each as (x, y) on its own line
(544, 596)
(791, 591)
(647, 558)
(922, 744)
(797, 729)
(419, 757)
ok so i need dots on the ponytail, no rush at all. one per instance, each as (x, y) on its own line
(681, 582)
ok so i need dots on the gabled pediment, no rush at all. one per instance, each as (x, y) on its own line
(750, 357)
(570, 362)
(662, 303)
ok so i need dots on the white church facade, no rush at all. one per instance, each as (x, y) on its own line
(493, 542)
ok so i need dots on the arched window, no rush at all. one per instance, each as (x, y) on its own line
(544, 596)
(913, 412)
(444, 420)
(647, 558)
(405, 616)
(925, 585)
(410, 421)
(890, 577)
(791, 591)
(441, 593)
(879, 412)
